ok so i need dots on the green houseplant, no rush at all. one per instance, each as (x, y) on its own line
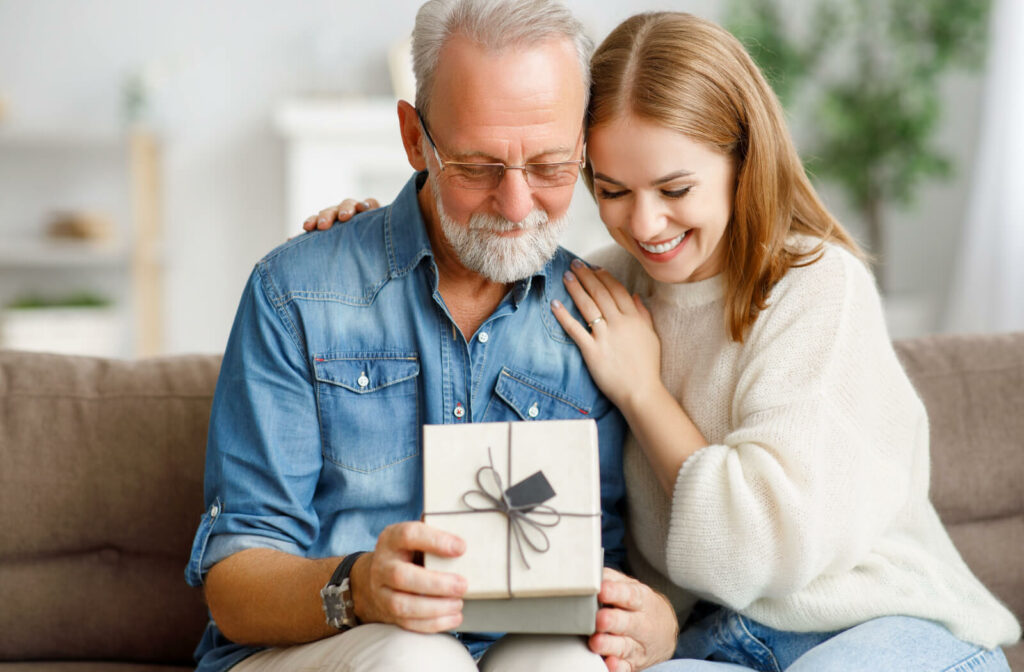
(868, 74)
(79, 323)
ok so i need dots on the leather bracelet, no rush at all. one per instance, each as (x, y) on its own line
(344, 568)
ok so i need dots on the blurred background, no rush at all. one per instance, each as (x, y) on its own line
(152, 152)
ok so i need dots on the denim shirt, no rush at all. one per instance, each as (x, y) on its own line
(341, 350)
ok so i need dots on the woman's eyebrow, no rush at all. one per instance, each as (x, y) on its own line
(661, 180)
(671, 176)
(605, 178)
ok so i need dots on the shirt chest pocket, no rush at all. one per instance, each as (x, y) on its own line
(518, 396)
(369, 409)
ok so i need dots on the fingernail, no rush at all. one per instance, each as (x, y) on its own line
(576, 263)
(323, 220)
(555, 303)
(595, 267)
(345, 212)
(365, 204)
(457, 546)
(569, 276)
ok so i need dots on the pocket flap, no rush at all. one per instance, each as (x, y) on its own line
(534, 400)
(365, 374)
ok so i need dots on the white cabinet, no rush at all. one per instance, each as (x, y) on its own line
(337, 149)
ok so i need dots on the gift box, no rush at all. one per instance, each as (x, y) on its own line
(525, 497)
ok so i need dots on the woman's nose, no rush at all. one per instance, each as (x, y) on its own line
(646, 220)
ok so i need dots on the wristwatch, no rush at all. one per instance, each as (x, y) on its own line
(337, 595)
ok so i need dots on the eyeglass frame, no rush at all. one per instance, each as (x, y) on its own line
(580, 162)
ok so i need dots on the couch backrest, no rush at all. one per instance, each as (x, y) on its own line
(100, 492)
(973, 387)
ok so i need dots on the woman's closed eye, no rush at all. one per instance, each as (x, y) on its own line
(677, 193)
(610, 194)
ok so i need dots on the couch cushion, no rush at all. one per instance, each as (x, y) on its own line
(992, 549)
(973, 388)
(99, 496)
(1015, 656)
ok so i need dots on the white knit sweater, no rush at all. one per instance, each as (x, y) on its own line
(809, 509)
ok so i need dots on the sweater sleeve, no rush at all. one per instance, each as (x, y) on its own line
(824, 450)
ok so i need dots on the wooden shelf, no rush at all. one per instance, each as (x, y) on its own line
(48, 253)
(36, 139)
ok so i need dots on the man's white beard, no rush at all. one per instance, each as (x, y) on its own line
(500, 258)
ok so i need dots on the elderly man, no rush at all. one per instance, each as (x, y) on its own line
(432, 310)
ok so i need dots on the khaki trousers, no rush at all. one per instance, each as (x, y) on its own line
(377, 647)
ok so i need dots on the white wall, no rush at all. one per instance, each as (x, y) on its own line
(218, 69)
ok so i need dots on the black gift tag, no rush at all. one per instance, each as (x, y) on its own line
(530, 491)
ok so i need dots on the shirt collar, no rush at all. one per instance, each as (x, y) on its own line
(521, 289)
(405, 231)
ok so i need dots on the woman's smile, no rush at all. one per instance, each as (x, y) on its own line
(664, 250)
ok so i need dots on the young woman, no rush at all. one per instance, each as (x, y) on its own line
(778, 465)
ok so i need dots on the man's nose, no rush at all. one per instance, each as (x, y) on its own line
(514, 197)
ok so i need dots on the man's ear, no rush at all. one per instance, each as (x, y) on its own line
(412, 135)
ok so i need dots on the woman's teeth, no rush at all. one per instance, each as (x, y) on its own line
(662, 248)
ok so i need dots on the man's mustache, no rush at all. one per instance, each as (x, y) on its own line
(497, 224)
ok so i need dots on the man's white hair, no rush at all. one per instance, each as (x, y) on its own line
(495, 24)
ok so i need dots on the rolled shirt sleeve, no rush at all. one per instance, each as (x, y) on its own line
(263, 456)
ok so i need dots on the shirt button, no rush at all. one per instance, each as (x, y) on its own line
(363, 380)
(534, 411)
(482, 337)
(459, 411)
(214, 511)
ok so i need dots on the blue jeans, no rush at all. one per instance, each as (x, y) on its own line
(724, 641)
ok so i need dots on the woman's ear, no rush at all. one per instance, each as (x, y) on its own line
(412, 135)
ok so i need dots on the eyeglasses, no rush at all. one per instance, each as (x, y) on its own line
(489, 175)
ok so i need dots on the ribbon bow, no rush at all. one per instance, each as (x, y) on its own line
(526, 521)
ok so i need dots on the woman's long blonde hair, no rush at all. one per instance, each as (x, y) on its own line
(690, 75)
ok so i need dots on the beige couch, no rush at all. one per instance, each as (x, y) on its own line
(101, 489)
